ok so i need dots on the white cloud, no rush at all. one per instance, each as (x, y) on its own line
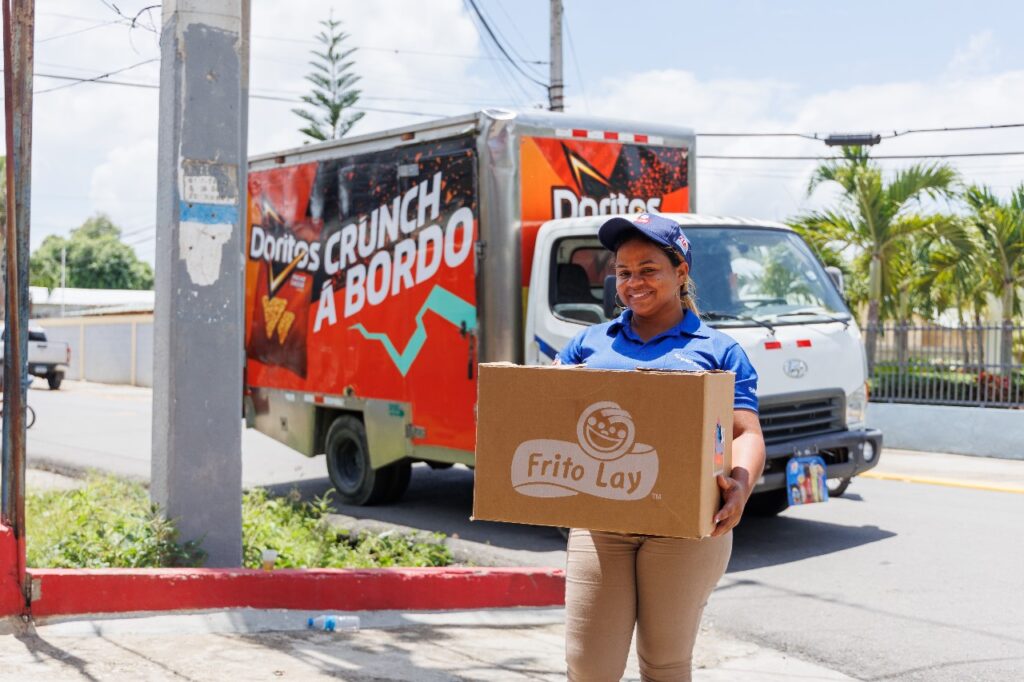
(95, 145)
(975, 57)
(956, 96)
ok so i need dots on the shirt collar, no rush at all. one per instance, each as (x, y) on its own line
(690, 325)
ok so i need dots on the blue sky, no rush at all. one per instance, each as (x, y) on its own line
(714, 66)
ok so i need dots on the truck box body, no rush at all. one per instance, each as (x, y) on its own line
(381, 269)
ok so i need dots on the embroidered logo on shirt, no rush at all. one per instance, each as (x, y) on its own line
(682, 358)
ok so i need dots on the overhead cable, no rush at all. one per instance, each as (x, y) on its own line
(872, 156)
(497, 43)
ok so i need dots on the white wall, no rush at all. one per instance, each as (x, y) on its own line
(982, 431)
(114, 349)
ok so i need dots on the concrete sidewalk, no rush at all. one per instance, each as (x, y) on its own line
(502, 644)
(986, 473)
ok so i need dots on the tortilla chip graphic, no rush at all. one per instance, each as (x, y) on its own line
(285, 325)
(272, 311)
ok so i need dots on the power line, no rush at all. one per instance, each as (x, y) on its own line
(504, 39)
(515, 28)
(483, 22)
(77, 31)
(395, 50)
(873, 156)
(888, 136)
(152, 86)
(94, 79)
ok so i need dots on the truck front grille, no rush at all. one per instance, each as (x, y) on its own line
(794, 416)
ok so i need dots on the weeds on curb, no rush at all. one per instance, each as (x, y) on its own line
(111, 523)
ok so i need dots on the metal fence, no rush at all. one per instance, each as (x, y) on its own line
(935, 365)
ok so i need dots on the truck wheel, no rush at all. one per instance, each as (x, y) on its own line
(54, 379)
(838, 486)
(348, 464)
(770, 503)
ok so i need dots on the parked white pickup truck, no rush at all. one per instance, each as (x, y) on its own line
(46, 359)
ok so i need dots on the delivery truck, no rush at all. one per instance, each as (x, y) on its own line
(382, 269)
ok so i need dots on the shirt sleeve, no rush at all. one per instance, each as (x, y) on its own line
(572, 354)
(736, 361)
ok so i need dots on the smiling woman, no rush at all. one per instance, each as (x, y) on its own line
(618, 581)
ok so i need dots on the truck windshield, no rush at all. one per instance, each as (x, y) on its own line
(744, 277)
(769, 275)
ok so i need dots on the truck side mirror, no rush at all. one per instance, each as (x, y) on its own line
(611, 308)
(837, 278)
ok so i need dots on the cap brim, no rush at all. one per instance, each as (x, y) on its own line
(610, 233)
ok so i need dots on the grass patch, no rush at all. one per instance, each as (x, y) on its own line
(111, 523)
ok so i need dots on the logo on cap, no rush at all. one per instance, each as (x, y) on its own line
(642, 219)
(683, 243)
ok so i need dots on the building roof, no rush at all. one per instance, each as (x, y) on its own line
(91, 298)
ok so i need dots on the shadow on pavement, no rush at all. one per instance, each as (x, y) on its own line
(761, 542)
(41, 650)
(441, 501)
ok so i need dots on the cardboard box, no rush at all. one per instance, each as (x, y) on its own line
(627, 451)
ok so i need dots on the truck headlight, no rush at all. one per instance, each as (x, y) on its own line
(856, 405)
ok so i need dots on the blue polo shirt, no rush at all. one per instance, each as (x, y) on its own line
(691, 345)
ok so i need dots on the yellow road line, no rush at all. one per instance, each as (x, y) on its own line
(973, 485)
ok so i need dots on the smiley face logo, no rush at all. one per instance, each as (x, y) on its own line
(605, 431)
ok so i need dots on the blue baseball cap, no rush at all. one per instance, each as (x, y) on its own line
(657, 228)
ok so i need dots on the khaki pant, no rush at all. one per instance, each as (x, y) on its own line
(615, 581)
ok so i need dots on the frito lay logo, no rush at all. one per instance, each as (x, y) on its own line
(605, 462)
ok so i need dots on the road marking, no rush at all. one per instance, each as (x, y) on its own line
(980, 485)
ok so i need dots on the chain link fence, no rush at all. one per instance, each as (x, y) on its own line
(935, 365)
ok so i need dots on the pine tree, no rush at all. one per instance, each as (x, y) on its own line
(332, 93)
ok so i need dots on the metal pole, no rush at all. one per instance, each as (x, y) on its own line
(198, 335)
(555, 90)
(18, 33)
(63, 277)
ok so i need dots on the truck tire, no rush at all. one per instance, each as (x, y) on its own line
(53, 379)
(770, 503)
(838, 486)
(348, 464)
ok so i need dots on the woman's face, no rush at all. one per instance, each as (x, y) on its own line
(645, 278)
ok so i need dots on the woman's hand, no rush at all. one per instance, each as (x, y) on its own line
(734, 498)
(747, 466)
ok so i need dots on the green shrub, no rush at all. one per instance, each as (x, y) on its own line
(110, 523)
(303, 538)
(106, 523)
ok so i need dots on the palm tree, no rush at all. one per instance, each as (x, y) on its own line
(956, 279)
(875, 217)
(1001, 229)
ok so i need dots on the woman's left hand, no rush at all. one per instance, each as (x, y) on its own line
(734, 498)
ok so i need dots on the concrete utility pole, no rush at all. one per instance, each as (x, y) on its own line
(555, 89)
(198, 335)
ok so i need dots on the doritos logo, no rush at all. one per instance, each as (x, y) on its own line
(593, 193)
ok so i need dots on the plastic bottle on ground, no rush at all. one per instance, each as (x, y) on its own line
(334, 623)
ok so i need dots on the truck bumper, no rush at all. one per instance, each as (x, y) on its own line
(843, 451)
(40, 369)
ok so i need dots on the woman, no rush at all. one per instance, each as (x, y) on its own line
(616, 581)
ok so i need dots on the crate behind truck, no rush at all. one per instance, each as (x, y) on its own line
(383, 268)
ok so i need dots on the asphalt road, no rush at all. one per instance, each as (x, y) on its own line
(895, 580)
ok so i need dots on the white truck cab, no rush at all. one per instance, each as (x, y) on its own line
(758, 282)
